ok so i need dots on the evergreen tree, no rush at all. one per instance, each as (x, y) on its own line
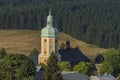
(2, 53)
(27, 69)
(81, 19)
(52, 70)
(21, 65)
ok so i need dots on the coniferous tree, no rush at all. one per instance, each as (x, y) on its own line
(2, 53)
(81, 19)
(52, 70)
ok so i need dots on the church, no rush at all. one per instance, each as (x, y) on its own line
(49, 41)
(49, 44)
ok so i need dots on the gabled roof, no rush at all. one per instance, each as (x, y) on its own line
(103, 77)
(74, 76)
(73, 55)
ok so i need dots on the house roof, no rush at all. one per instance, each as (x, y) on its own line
(73, 55)
(74, 76)
(103, 77)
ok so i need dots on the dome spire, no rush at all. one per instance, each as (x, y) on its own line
(50, 19)
(50, 11)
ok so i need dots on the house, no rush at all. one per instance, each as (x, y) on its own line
(74, 76)
(103, 77)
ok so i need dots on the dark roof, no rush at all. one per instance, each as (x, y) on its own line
(73, 55)
(39, 75)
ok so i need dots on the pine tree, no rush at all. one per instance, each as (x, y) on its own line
(52, 70)
(2, 53)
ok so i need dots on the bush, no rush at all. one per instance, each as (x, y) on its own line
(65, 66)
(106, 67)
(112, 61)
(84, 67)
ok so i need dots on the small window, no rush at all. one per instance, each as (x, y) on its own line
(45, 61)
(44, 52)
(45, 40)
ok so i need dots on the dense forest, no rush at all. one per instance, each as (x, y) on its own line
(93, 21)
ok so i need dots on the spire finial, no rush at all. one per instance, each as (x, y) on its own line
(50, 19)
(50, 11)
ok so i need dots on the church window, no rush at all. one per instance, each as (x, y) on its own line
(45, 61)
(44, 52)
(45, 40)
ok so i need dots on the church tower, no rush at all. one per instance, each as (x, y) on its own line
(49, 41)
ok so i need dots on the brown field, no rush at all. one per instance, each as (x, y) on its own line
(23, 41)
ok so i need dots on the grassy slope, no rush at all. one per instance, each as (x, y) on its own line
(23, 41)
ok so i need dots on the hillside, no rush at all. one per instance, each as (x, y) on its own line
(23, 41)
(92, 21)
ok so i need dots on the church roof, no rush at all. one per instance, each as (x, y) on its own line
(49, 30)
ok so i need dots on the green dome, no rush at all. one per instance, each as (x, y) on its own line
(49, 30)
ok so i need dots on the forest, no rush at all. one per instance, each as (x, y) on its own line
(93, 21)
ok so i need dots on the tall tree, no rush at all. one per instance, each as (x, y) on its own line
(2, 53)
(52, 70)
(22, 65)
(27, 69)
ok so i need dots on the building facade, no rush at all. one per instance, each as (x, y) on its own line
(49, 41)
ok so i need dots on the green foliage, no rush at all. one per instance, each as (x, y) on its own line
(20, 64)
(65, 66)
(52, 70)
(106, 67)
(81, 19)
(112, 57)
(3, 74)
(27, 68)
(84, 67)
(2, 53)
